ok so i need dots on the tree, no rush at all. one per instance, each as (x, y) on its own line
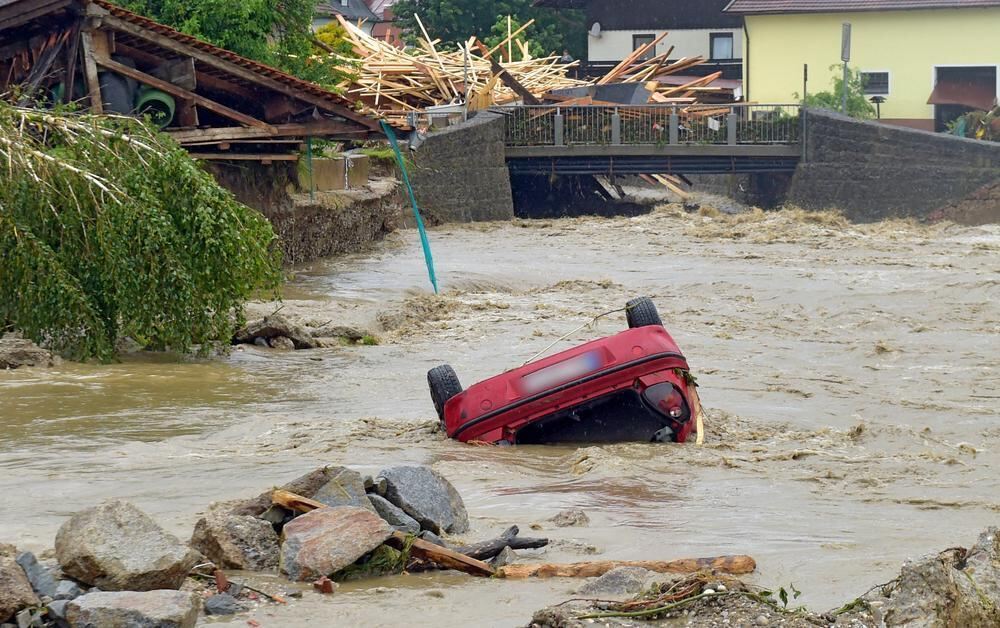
(857, 102)
(109, 229)
(275, 32)
(454, 21)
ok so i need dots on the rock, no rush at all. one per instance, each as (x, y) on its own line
(948, 589)
(351, 334)
(505, 557)
(117, 547)
(274, 326)
(430, 537)
(236, 541)
(67, 590)
(261, 342)
(305, 485)
(57, 609)
(324, 541)
(15, 589)
(762, 620)
(369, 483)
(345, 488)
(394, 515)
(282, 342)
(574, 517)
(41, 579)
(381, 486)
(620, 581)
(428, 497)
(222, 604)
(131, 609)
(16, 352)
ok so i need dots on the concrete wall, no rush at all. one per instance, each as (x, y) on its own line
(615, 45)
(460, 175)
(330, 224)
(907, 44)
(872, 171)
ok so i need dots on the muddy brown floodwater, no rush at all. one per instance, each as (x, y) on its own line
(850, 375)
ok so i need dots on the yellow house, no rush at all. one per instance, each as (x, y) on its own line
(930, 60)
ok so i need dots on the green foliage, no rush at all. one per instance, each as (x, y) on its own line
(537, 37)
(857, 103)
(275, 32)
(108, 229)
(454, 21)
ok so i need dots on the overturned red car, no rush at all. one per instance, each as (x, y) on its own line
(633, 386)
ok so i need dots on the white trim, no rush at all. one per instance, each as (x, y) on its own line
(886, 72)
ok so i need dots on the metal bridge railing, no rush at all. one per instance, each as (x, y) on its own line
(553, 125)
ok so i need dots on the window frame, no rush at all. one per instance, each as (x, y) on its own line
(888, 82)
(712, 37)
(651, 37)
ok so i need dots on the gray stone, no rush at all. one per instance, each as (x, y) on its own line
(131, 609)
(428, 497)
(233, 541)
(41, 579)
(430, 537)
(16, 352)
(620, 581)
(117, 547)
(261, 342)
(222, 604)
(275, 326)
(305, 485)
(67, 590)
(283, 343)
(345, 488)
(505, 557)
(394, 515)
(24, 618)
(570, 518)
(324, 541)
(15, 589)
(57, 609)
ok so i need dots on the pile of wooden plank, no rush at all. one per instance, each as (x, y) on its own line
(392, 83)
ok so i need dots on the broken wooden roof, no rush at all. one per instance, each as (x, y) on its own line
(757, 7)
(221, 98)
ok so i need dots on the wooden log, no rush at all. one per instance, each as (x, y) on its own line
(484, 550)
(724, 564)
(447, 558)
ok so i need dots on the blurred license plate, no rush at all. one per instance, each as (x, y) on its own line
(560, 373)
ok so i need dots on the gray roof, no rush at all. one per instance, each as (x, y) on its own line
(352, 10)
(757, 7)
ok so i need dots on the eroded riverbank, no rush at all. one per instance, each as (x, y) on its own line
(849, 373)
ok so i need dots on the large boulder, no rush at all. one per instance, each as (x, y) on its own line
(16, 352)
(234, 541)
(324, 541)
(394, 515)
(117, 547)
(306, 485)
(130, 609)
(345, 488)
(275, 326)
(957, 587)
(428, 497)
(42, 580)
(15, 590)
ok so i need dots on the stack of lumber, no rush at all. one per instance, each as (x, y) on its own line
(391, 83)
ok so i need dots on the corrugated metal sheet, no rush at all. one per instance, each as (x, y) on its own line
(750, 7)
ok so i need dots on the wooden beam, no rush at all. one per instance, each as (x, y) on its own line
(236, 70)
(221, 85)
(179, 92)
(90, 71)
(222, 134)
(72, 61)
(244, 157)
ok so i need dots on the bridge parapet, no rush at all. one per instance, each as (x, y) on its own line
(652, 125)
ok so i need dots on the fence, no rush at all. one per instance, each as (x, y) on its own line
(551, 125)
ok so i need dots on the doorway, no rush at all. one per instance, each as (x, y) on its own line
(961, 89)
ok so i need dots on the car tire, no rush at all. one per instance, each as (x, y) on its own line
(444, 384)
(115, 93)
(641, 312)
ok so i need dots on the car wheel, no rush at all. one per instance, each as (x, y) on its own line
(444, 385)
(115, 93)
(640, 312)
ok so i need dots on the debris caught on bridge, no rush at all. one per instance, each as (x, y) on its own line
(392, 83)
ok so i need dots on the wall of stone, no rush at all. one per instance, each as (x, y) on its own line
(873, 171)
(331, 223)
(460, 175)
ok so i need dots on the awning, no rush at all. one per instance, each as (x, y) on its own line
(975, 95)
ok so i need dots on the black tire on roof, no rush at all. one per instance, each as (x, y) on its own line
(641, 312)
(444, 384)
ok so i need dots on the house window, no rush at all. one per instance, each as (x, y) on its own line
(876, 83)
(638, 41)
(721, 45)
